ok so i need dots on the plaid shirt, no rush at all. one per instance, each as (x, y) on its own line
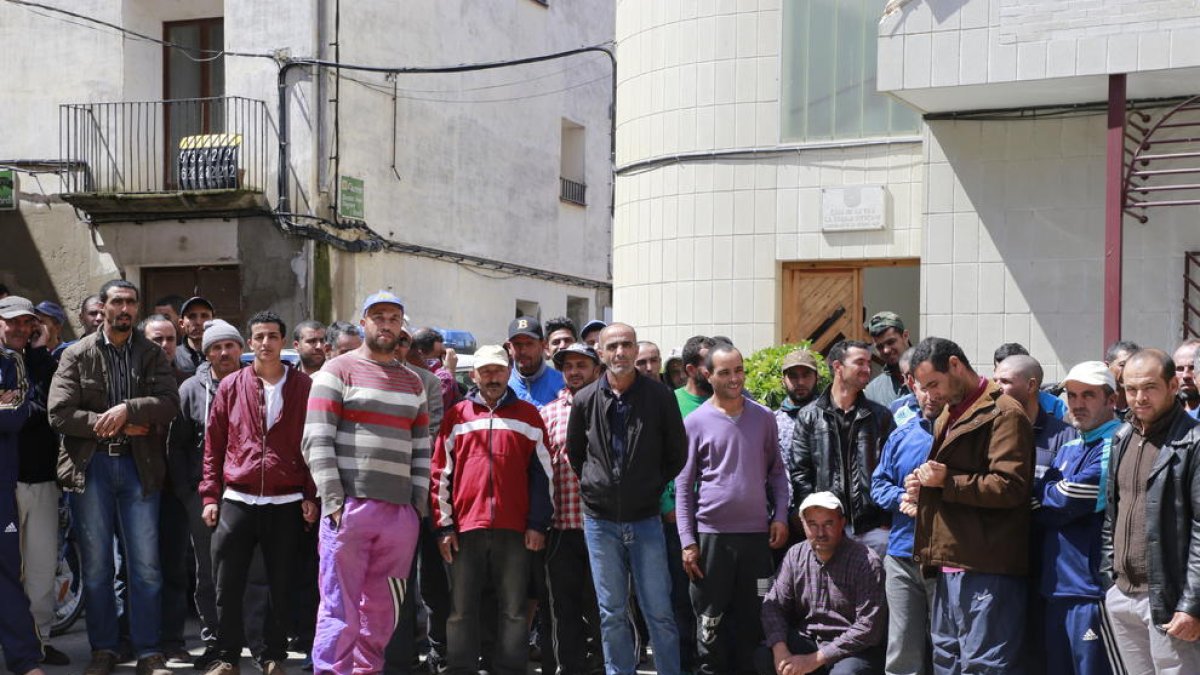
(838, 604)
(568, 507)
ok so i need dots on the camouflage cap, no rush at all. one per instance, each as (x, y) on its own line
(883, 321)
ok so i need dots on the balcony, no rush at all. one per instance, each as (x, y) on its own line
(168, 160)
(572, 192)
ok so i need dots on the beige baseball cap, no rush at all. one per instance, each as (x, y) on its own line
(802, 358)
(490, 355)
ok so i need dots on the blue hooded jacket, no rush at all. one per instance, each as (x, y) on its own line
(904, 451)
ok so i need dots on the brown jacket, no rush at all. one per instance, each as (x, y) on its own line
(980, 520)
(79, 395)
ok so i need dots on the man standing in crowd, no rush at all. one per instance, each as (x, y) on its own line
(172, 521)
(1185, 370)
(52, 318)
(1115, 357)
(590, 335)
(891, 340)
(492, 505)
(91, 314)
(532, 380)
(732, 476)
(1070, 509)
(194, 313)
(1049, 402)
(909, 593)
(649, 360)
(673, 374)
(575, 614)
(366, 442)
(800, 377)
(429, 345)
(626, 442)
(1150, 536)
(560, 334)
(343, 338)
(257, 492)
(837, 443)
(824, 611)
(114, 440)
(972, 492)
(308, 339)
(222, 346)
(37, 491)
(1020, 377)
(401, 652)
(18, 633)
(168, 306)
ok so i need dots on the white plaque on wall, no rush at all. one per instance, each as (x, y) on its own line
(853, 208)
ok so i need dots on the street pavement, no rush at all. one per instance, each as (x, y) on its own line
(75, 644)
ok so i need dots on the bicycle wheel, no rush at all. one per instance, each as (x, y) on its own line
(68, 587)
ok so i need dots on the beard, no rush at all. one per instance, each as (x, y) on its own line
(382, 344)
(702, 385)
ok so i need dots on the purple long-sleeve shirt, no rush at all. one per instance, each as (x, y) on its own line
(838, 604)
(731, 465)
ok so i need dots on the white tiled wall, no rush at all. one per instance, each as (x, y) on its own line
(943, 44)
(1015, 240)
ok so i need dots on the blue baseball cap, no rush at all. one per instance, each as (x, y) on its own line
(379, 297)
(52, 310)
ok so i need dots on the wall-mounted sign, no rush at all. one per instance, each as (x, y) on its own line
(350, 198)
(853, 208)
(8, 190)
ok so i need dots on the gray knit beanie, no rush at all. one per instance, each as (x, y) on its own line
(219, 330)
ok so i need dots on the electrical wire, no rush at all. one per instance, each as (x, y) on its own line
(216, 53)
(390, 94)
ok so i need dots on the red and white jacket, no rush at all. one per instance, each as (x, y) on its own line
(491, 468)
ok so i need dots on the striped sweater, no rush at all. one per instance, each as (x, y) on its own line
(367, 433)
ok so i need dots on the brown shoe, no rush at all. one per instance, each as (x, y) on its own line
(154, 664)
(102, 663)
(273, 668)
(224, 668)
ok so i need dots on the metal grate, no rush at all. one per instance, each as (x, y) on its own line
(167, 146)
(1161, 154)
(571, 191)
(1191, 294)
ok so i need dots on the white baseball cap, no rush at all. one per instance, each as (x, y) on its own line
(490, 355)
(825, 500)
(1092, 373)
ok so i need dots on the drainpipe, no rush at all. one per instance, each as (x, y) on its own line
(1114, 208)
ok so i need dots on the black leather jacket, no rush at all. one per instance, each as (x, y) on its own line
(815, 463)
(1172, 533)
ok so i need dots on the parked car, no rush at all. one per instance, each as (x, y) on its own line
(289, 356)
(461, 341)
(462, 372)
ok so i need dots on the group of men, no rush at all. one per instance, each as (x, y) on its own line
(584, 491)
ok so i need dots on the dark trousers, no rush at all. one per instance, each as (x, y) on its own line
(18, 634)
(728, 600)
(685, 618)
(173, 535)
(571, 603)
(497, 558)
(869, 662)
(206, 590)
(400, 655)
(543, 623)
(429, 572)
(306, 598)
(242, 528)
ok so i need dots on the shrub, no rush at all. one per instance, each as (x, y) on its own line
(764, 379)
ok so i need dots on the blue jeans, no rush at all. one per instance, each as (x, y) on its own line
(113, 494)
(620, 552)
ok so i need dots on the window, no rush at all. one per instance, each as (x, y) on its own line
(528, 308)
(577, 310)
(829, 74)
(572, 187)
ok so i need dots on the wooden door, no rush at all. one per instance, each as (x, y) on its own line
(823, 305)
(219, 284)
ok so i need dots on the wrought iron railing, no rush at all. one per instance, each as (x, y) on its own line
(168, 146)
(571, 191)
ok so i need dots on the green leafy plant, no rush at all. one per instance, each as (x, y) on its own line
(764, 378)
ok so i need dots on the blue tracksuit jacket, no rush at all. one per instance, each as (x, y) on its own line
(1070, 499)
(905, 450)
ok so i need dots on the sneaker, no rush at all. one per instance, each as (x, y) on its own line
(224, 668)
(307, 665)
(207, 659)
(177, 655)
(273, 668)
(53, 657)
(154, 664)
(102, 663)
